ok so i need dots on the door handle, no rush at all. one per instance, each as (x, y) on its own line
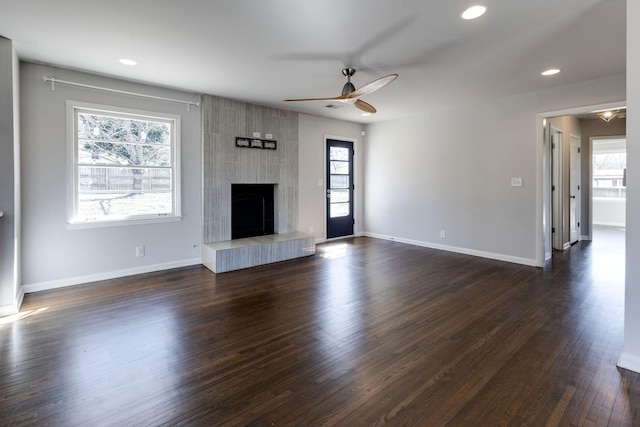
(573, 197)
(328, 193)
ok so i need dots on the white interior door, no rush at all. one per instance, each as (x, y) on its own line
(574, 190)
(556, 189)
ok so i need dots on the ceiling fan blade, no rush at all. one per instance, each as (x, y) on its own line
(364, 106)
(373, 86)
(333, 98)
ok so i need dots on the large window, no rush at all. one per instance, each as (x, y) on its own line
(609, 168)
(124, 165)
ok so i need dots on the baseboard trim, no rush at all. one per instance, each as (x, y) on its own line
(610, 223)
(465, 251)
(80, 280)
(630, 362)
(10, 309)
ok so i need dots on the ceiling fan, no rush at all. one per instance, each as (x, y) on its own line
(352, 96)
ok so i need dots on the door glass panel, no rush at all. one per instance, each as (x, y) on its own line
(339, 153)
(339, 209)
(338, 196)
(339, 181)
(339, 167)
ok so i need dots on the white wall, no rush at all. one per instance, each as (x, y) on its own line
(609, 211)
(451, 170)
(630, 358)
(311, 170)
(10, 283)
(55, 256)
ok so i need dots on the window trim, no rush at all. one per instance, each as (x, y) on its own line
(73, 222)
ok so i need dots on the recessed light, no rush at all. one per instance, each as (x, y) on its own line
(126, 61)
(551, 72)
(474, 12)
(366, 114)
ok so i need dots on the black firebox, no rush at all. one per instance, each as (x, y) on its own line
(252, 210)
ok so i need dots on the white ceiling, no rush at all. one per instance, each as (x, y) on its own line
(263, 51)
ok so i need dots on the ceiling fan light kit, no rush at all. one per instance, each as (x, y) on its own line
(608, 115)
(351, 95)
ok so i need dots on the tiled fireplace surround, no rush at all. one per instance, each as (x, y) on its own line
(225, 164)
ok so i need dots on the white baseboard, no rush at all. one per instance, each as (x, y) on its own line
(79, 280)
(465, 251)
(630, 362)
(610, 223)
(8, 310)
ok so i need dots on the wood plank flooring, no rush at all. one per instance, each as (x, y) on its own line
(367, 332)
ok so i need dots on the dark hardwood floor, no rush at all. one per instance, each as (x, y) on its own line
(367, 332)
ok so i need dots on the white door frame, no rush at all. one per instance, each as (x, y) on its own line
(542, 185)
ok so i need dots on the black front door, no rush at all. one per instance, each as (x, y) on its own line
(339, 188)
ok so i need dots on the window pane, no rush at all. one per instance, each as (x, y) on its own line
(339, 181)
(338, 153)
(608, 175)
(113, 128)
(108, 153)
(339, 196)
(104, 206)
(125, 164)
(92, 179)
(339, 167)
(339, 209)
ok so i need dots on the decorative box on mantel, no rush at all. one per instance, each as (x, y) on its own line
(266, 144)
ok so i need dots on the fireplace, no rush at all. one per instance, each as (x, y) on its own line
(252, 210)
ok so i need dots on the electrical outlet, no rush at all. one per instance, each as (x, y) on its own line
(516, 182)
(443, 234)
(139, 251)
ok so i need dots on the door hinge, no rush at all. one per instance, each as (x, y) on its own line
(578, 150)
(578, 187)
(578, 224)
(553, 230)
(553, 188)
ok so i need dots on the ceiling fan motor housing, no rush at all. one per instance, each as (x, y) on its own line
(348, 86)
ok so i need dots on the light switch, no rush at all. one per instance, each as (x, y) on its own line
(516, 182)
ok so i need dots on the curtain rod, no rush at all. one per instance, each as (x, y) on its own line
(53, 81)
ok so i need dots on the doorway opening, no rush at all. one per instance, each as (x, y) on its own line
(609, 181)
(566, 204)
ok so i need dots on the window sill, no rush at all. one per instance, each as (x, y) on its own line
(121, 223)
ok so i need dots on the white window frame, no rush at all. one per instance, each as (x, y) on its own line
(73, 221)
